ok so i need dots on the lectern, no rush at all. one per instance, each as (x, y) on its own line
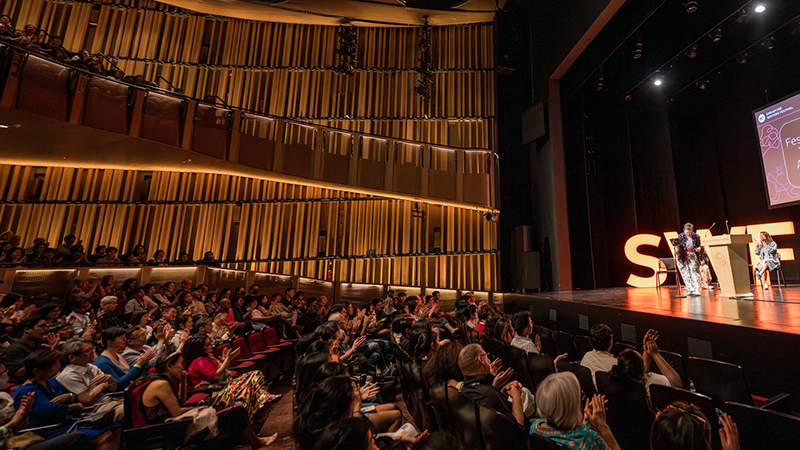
(729, 257)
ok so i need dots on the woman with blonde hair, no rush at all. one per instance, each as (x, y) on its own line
(558, 404)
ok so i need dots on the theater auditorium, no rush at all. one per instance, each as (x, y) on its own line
(399, 224)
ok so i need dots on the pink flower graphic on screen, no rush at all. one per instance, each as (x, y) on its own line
(779, 187)
(769, 138)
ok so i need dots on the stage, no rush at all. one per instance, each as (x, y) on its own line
(761, 334)
(774, 309)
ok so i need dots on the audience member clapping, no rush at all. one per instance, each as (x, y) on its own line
(558, 406)
(682, 426)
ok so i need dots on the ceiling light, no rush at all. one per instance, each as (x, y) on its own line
(658, 80)
(692, 52)
(760, 9)
(637, 52)
(691, 6)
(702, 85)
(716, 35)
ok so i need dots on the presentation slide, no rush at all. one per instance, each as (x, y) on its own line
(778, 127)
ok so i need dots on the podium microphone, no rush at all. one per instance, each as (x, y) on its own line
(727, 227)
(712, 226)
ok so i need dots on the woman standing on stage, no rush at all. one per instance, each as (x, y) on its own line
(688, 258)
(767, 250)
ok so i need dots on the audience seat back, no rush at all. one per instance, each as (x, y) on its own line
(583, 344)
(620, 347)
(583, 374)
(498, 350)
(134, 418)
(536, 442)
(548, 344)
(539, 366)
(761, 428)
(628, 414)
(565, 344)
(516, 358)
(500, 432)
(465, 417)
(676, 361)
(444, 419)
(288, 358)
(724, 382)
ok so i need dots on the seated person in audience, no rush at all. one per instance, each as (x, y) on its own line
(163, 398)
(442, 367)
(84, 379)
(523, 328)
(631, 365)
(683, 426)
(558, 405)
(503, 331)
(169, 314)
(107, 315)
(84, 288)
(138, 302)
(110, 257)
(6, 32)
(166, 294)
(485, 388)
(600, 358)
(111, 362)
(279, 309)
(401, 331)
(334, 399)
(15, 257)
(137, 345)
(99, 252)
(184, 325)
(204, 326)
(262, 313)
(354, 433)
(11, 421)
(652, 354)
(79, 317)
(36, 251)
(52, 402)
(159, 258)
(219, 327)
(205, 370)
(14, 313)
(34, 330)
(47, 259)
(69, 241)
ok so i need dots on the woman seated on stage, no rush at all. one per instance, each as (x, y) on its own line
(205, 370)
(767, 250)
(558, 405)
(163, 398)
(687, 248)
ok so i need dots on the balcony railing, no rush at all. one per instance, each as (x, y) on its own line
(37, 84)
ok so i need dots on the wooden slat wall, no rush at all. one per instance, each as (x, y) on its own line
(285, 69)
(257, 231)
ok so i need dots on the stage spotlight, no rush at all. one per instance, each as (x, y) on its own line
(658, 80)
(716, 35)
(702, 85)
(760, 8)
(637, 52)
(691, 6)
(692, 52)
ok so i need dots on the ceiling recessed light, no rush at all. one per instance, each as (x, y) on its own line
(760, 9)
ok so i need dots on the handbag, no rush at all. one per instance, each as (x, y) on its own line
(97, 420)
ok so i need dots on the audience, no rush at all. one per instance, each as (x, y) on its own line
(682, 426)
(600, 358)
(485, 386)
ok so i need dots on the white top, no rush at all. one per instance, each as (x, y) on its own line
(598, 361)
(525, 344)
(78, 378)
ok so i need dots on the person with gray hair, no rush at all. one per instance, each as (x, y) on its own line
(558, 405)
(86, 380)
(487, 386)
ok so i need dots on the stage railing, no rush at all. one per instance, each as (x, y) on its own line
(35, 83)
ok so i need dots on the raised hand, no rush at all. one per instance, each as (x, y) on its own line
(495, 367)
(52, 341)
(728, 433)
(145, 357)
(369, 390)
(359, 342)
(537, 341)
(502, 378)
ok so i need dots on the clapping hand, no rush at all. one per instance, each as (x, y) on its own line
(369, 390)
(52, 341)
(502, 378)
(145, 357)
(495, 367)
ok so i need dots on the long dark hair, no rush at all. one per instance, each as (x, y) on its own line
(629, 365)
(193, 348)
(443, 365)
(329, 402)
(348, 434)
(306, 368)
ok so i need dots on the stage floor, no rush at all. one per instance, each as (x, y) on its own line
(773, 309)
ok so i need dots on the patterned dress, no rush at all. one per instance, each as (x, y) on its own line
(769, 256)
(585, 437)
(688, 262)
(248, 389)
